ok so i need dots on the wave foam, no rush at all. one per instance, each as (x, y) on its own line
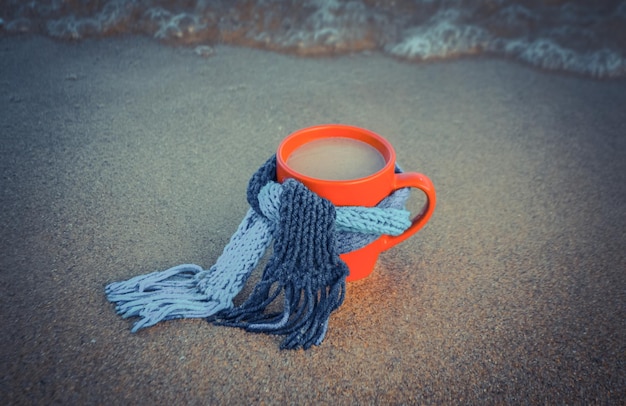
(577, 36)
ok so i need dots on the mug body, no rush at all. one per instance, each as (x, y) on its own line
(367, 190)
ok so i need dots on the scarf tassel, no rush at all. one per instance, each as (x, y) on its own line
(303, 320)
(163, 295)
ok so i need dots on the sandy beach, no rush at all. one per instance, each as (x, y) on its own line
(123, 156)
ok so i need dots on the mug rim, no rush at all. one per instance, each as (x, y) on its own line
(294, 141)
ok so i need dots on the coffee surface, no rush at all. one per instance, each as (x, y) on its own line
(336, 159)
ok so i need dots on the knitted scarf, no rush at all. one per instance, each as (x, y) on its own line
(305, 272)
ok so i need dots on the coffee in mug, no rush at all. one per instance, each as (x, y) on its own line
(337, 158)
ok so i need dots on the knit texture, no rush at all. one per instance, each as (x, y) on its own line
(308, 234)
(305, 267)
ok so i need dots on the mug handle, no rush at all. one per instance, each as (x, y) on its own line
(417, 181)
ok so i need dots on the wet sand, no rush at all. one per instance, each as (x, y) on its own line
(122, 156)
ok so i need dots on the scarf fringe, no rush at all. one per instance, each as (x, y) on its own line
(164, 295)
(303, 320)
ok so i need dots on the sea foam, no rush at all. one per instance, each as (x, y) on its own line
(577, 36)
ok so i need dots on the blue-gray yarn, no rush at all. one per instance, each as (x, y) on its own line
(188, 291)
(305, 266)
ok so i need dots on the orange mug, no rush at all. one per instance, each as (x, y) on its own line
(365, 191)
